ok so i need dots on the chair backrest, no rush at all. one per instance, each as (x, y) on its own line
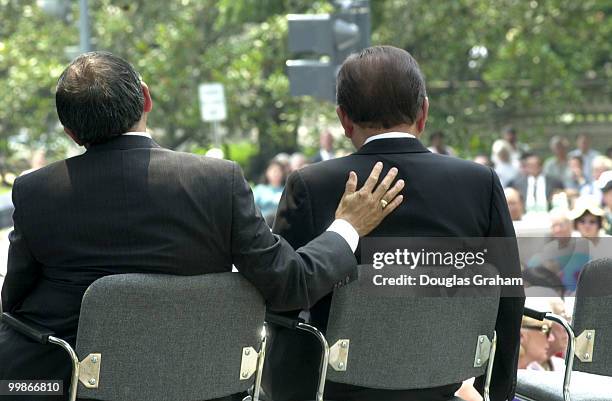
(593, 311)
(404, 339)
(167, 337)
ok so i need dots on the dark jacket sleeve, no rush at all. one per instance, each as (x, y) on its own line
(23, 270)
(287, 279)
(508, 325)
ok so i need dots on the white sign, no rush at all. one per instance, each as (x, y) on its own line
(212, 102)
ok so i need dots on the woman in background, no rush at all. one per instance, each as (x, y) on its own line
(267, 195)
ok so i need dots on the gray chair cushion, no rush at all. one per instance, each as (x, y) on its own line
(399, 341)
(548, 386)
(165, 337)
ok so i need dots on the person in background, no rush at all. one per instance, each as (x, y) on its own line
(600, 165)
(297, 161)
(560, 224)
(501, 155)
(588, 221)
(535, 187)
(577, 180)
(536, 337)
(437, 145)
(609, 152)
(564, 256)
(607, 200)
(587, 217)
(584, 151)
(515, 203)
(268, 194)
(483, 159)
(326, 150)
(557, 166)
(510, 135)
(558, 347)
(284, 159)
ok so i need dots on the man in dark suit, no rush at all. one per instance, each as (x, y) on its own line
(536, 188)
(326, 150)
(383, 107)
(129, 206)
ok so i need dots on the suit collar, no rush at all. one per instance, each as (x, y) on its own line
(124, 142)
(392, 145)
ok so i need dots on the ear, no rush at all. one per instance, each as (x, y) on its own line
(74, 137)
(148, 102)
(346, 122)
(420, 124)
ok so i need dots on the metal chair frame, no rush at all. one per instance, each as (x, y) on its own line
(325, 350)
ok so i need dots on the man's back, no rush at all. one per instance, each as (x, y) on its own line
(444, 197)
(125, 206)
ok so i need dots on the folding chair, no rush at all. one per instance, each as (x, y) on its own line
(589, 376)
(403, 341)
(160, 337)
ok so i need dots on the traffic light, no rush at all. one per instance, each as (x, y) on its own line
(323, 41)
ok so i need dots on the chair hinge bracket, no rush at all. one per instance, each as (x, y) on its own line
(338, 355)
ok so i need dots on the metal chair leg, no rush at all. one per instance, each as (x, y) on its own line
(75, 365)
(260, 364)
(489, 373)
(569, 354)
(324, 356)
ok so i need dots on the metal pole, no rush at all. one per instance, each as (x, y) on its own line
(84, 27)
(216, 134)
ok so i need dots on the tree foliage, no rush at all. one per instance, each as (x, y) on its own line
(485, 62)
(491, 62)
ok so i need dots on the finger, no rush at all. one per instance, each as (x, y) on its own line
(393, 205)
(368, 187)
(394, 191)
(385, 184)
(351, 183)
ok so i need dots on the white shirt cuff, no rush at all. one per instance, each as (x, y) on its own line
(346, 231)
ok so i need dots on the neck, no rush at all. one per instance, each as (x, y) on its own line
(138, 128)
(141, 125)
(360, 135)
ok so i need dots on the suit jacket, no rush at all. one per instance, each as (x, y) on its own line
(130, 206)
(443, 197)
(553, 185)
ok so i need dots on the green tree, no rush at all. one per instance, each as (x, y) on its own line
(491, 62)
(486, 63)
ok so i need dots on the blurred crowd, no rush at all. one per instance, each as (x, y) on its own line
(566, 194)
